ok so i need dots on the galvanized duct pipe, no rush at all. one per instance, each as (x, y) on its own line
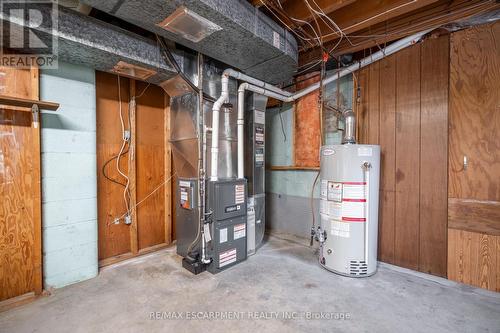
(350, 127)
(266, 89)
(224, 97)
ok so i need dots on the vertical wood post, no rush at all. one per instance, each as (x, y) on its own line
(134, 246)
(168, 173)
(37, 200)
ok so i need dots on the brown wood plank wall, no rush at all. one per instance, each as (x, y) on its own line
(150, 156)
(434, 151)
(20, 203)
(474, 259)
(113, 239)
(474, 192)
(408, 118)
(145, 162)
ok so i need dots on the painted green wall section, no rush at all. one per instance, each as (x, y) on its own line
(279, 149)
(69, 176)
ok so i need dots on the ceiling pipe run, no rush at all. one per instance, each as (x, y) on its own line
(259, 87)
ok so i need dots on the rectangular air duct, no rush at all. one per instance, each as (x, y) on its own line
(188, 24)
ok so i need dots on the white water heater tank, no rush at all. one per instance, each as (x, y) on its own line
(349, 208)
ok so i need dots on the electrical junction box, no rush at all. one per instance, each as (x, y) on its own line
(227, 200)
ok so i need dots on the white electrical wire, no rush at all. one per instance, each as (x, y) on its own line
(151, 193)
(308, 40)
(330, 23)
(124, 143)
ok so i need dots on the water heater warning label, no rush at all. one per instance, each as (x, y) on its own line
(354, 190)
(340, 229)
(335, 191)
(344, 201)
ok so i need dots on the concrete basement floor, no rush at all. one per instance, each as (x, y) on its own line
(282, 276)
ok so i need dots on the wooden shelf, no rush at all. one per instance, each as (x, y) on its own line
(291, 168)
(27, 103)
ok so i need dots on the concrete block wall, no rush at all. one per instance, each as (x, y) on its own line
(69, 179)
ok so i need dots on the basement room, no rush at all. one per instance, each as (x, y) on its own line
(249, 166)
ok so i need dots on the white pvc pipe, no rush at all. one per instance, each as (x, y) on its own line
(224, 97)
(241, 130)
(256, 82)
(367, 216)
(394, 47)
(269, 90)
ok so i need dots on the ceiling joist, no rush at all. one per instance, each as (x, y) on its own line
(300, 11)
(435, 15)
(362, 14)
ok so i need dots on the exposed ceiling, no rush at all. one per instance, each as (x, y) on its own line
(245, 38)
(347, 26)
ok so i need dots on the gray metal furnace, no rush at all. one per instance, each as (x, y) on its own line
(227, 205)
(255, 168)
(226, 224)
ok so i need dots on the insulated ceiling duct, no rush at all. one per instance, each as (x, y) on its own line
(87, 41)
(231, 31)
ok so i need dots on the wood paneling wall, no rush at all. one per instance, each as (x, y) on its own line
(20, 204)
(146, 162)
(402, 105)
(113, 239)
(150, 156)
(474, 209)
(474, 259)
(475, 113)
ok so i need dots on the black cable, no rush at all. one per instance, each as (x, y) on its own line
(109, 161)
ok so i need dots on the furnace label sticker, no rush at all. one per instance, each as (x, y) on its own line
(239, 194)
(184, 196)
(227, 257)
(240, 231)
(251, 215)
(259, 135)
(222, 235)
(259, 117)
